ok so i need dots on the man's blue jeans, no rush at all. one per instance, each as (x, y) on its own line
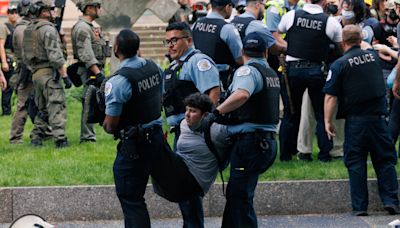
(252, 155)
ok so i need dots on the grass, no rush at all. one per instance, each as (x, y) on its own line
(91, 163)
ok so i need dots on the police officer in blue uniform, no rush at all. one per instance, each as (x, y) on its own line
(355, 82)
(251, 111)
(250, 21)
(219, 39)
(133, 115)
(190, 72)
(309, 33)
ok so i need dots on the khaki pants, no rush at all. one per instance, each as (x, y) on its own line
(50, 100)
(307, 129)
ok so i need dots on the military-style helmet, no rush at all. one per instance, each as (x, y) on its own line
(23, 7)
(37, 5)
(81, 4)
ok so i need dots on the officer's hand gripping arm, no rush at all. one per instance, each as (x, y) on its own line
(234, 101)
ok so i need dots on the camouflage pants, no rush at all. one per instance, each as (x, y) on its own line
(50, 100)
(21, 112)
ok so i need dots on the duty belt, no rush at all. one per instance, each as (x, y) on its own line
(136, 132)
(256, 134)
(303, 64)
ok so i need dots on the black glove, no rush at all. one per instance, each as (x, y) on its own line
(67, 83)
(96, 80)
(208, 120)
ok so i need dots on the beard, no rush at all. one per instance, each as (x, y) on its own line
(260, 15)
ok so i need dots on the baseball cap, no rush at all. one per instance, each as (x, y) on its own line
(221, 2)
(254, 45)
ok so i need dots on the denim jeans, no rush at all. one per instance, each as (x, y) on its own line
(250, 157)
(363, 135)
(192, 212)
(299, 80)
(132, 168)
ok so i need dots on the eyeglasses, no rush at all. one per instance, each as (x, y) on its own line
(12, 11)
(173, 41)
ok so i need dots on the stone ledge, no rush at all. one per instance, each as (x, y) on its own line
(87, 203)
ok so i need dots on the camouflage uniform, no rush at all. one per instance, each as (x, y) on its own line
(89, 48)
(6, 32)
(23, 86)
(43, 53)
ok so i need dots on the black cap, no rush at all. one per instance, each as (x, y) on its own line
(254, 45)
(221, 2)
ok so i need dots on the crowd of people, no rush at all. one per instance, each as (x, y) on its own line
(333, 64)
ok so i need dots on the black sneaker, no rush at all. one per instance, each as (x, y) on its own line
(36, 142)
(62, 143)
(392, 209)
(360, 213)
(304, 157)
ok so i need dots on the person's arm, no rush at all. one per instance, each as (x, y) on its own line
(4, 64)
(277, 49)
(396, 84)
(53, 49)
(3, 82)
(231, 36)
(214, 94)
(234, 101)
(110, 124)
(85, 51)
(279, 39)
(329, 107)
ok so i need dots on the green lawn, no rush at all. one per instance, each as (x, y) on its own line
(91, 163)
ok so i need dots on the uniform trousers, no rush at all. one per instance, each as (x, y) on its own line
(7, 93)
(87, 129)
(252, 154)
(21, 113)
(370, 134)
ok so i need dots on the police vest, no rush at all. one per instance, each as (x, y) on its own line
(32, 48)
(307, 38)
(262, 107)
(145, 103)
(18, 35)
(362, 80)
(9, 44)
(206, 38)
(176, 90)
(241, 24)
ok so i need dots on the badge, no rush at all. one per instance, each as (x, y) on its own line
(329, 75)
(204, 65)
(107, 89)
(168, 76)
(243, 71)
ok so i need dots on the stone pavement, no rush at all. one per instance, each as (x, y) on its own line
(375, 219)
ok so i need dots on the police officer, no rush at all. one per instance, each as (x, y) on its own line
(250, 21)
(355, 83)
(7, 55)
(190, 72)
(252, 113)
(44, 55)
(89, 48)
(309, 33)
(23, 80)
(223, 45)
(133, 114)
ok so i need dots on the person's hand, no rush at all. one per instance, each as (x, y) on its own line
(67, 82)
(96, 80)
(392, 40)
(208, 120)
(330, 130)
(396, 89)
(5, 67)
(381, 48)
(3, 82)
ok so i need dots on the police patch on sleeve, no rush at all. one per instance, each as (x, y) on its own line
(107, 89)
(243, 71)
(329, 75)
(204, 65)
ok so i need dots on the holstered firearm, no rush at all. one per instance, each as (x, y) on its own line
(282, 64)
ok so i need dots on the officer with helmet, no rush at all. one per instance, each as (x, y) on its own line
(355, 83)
(23, 76)
(44, 55)
(89, 47)
(223, 43)
(251, 111)
(7, 55)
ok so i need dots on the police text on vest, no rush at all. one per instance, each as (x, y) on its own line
(308, 23)
(205, 27)
(149, 82)
(361, 59)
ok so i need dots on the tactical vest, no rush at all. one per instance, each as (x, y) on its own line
(241, 24)
(9, 43)
(34, 52)
(18, 37)
(145, 103)
(176, 90)
(206, 38)
(263, 106)
(362, 80)
(307, 38)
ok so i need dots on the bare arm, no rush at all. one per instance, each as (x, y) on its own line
(110, 124)
(3, 82)
(214, 93)
(329, 107)
(4, 64)
(396, 85)
(234, 101)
